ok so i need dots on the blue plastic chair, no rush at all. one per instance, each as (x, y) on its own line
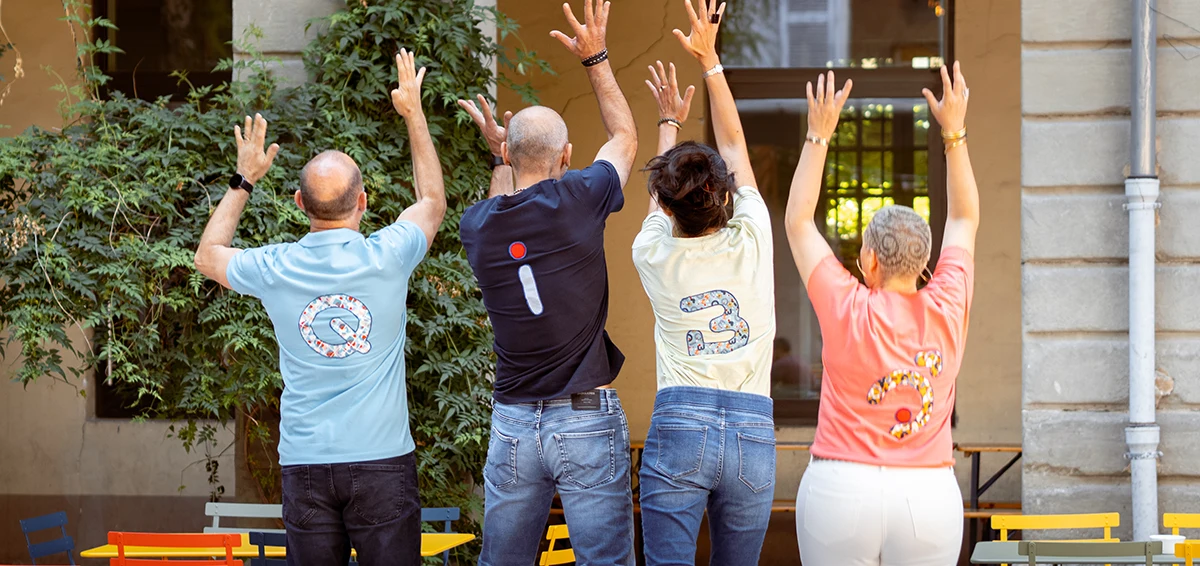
(263, 540)
(43, 549)
(440, 514)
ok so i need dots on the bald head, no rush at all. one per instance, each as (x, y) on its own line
(329, 186)
(537, 137)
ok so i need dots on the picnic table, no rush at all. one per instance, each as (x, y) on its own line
(432, 544)
(1006, 553)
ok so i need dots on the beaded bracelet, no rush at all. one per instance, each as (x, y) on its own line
(678, 125)
(596, 59)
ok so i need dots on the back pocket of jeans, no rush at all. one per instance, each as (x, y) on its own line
(501, 467)
(680, 449)
(588, 458)
(298, 505)
(756, 461)
(379, 491)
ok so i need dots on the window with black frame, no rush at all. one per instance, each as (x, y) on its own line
(880, 155)
(160, 37)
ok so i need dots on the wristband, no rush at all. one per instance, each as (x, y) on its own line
(714, 71)
(817, 140)
(596, 59)
(497, 160)
(956, 143)
(678, 125)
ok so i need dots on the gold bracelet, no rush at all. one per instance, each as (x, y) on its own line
(817, 140)
(951, 136)
(956, 143)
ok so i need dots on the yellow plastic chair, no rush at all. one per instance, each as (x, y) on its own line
(1106, 521)
(1176, 521)
(561, 556)
(1188, 550)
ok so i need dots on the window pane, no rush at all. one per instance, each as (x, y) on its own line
(165, 36)
(832, 33)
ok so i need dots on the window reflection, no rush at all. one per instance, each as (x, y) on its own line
(832, 33)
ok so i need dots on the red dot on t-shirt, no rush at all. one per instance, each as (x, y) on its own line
(903, 415)
(517, 250)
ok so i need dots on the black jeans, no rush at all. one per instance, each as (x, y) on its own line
(373, 506)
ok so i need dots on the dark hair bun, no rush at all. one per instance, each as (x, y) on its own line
(692, 181)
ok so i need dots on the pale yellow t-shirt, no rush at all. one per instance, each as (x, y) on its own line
(713, 299)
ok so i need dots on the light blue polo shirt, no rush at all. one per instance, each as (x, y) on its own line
(337, 301)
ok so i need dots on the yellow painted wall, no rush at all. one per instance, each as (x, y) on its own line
(987, 43)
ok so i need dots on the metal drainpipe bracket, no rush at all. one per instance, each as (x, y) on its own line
(1143, 205)
(1143, 455)
(1142, 440)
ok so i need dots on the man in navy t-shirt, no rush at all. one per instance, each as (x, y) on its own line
(537, 248)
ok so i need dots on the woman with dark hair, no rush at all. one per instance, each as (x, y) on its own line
(881, 487)
(704, 255)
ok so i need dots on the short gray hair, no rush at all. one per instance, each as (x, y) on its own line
(536, 138)
(901, 239)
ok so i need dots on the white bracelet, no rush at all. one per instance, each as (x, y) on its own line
(817, 140)
(713, 71)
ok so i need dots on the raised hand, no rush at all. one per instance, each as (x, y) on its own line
(702, 41)
(825, 106)
(589, 36)
(666, 92)
(252, 161)
(406, 97)
(494, 133)
(951, 110)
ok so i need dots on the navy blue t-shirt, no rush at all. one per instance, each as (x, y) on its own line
(539, 259)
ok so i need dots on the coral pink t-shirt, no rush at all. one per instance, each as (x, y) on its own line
(891, 361)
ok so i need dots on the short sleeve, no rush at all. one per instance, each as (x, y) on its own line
(953, 283)
(249, 272)
(831, 288)
(655, 228)
(405, 241)
(599, 186)
(749, 207)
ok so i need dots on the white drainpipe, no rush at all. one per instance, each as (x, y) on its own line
(1141, 191)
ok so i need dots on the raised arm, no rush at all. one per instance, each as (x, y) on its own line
(962, 194)
(428, 183)
(727, 125)
(494, 134)
(215, 249)
(672, 110)
(805, 238)
(589, 45)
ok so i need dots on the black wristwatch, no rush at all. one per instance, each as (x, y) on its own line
(237, 181)
(497, 160)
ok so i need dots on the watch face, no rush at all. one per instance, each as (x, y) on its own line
(235, 181)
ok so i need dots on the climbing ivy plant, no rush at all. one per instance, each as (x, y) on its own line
(99, 221)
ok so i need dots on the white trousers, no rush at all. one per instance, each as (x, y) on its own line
(858, 515)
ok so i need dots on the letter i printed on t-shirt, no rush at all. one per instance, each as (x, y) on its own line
(518, 251)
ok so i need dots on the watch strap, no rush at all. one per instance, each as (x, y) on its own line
(240, 182)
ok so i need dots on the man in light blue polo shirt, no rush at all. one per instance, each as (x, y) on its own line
(337, 302)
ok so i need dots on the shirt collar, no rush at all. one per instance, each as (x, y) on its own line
(329, 237)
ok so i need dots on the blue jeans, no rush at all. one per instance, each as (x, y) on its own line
(547, 446)
(707, 449)
(373, 506)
